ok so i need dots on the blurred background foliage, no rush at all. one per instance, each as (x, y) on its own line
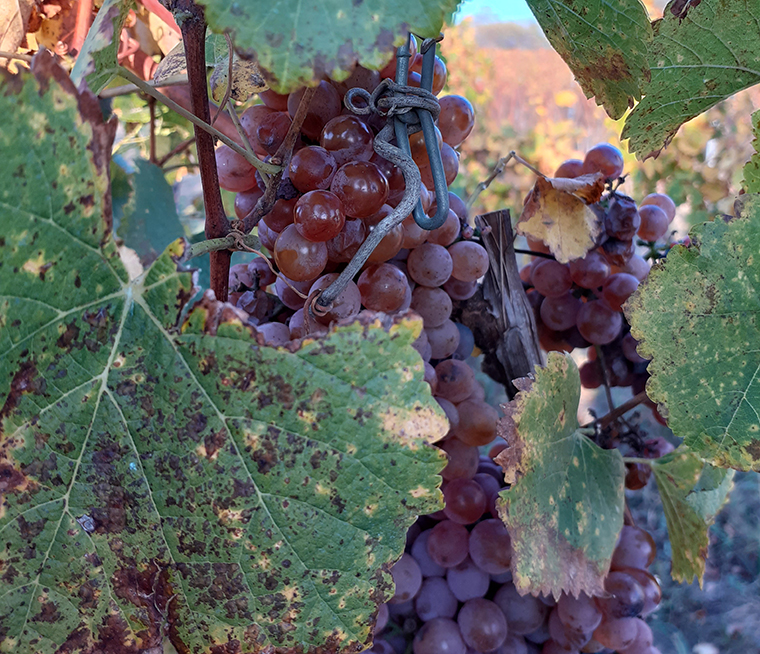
(527, 100)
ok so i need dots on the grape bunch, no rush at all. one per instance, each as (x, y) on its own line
(579, 304)
(454, 590)
(453, 585)
(333, 194)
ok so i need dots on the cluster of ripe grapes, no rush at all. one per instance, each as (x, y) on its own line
(453, 586)
(334, 193)
(454, 590)
(579, 304)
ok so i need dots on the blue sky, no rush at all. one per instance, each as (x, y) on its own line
(496, 10)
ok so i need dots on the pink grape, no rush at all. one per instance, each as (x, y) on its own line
(433, 304)
(429, 264)
(524, 613)
(604, 158)
(419, 551)
(483, 625)
(491, 546)
(447, 543)
(618, 288)
(439, 636)
(235, 173)
(560, 313)
(665, 202)
(578, 613)
(654, 222)
(467, 581)
(591, 271)
(444, 340)
(465, 501)
(407, 579)
(463, 460)
(597, 323)
(469, 261)
(435, 599)
(635, 549)
(551, 278)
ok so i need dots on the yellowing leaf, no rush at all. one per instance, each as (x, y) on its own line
(558, 214)
(692, 493)
(246, 80)
(564, 508)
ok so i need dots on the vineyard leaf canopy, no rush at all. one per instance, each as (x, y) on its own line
(298, 43)
(564, 510)
(699, 57)
(696, 317)
(558, 214)
(96, 62)
(751, 182)
(161, 482)
(604, 42)
(692, 493)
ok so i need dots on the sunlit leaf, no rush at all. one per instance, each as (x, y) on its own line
(605, 44)
(298, 43)
(699, 57)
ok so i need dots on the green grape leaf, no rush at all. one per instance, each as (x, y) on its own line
(96, 63)
(696, 317)
(692, 493)
(604, 42)
(564, 509)
(297, 44)
(751, 182)
(181, 482)
(149, 219)
(697, 60)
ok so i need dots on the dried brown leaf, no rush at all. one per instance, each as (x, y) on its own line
(557, 212)
(14, 19)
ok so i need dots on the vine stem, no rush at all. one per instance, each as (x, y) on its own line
(217, 226)
(607, 386)
(82, 24)
(229, 242)
(613, 415)
(152, 109)
(198, 122)
(533, 253)
(637, 459)
(4, 54)
(498, 169)
(177, 150)
(126, 89)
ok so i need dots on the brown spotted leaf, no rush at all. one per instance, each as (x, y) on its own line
(185, 485)
(564, 509)
(298, 43)
(701, 53)
(557, 212)
(692, 493)
(696, 317)
(605, 44)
